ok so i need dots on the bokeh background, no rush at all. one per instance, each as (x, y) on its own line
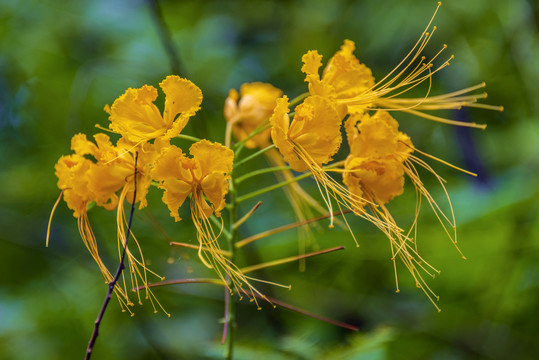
(61, 62)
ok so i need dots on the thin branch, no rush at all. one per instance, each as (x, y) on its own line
(240, 222)
(256, 154)
(307, 313)
(287, 260)
(166, 39)
(119, 270)
(267, 233)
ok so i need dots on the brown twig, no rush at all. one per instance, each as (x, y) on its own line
(119, 270)
(305, 312)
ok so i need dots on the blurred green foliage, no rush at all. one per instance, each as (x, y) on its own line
(61, 62)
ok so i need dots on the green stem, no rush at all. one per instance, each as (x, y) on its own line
(239, 145)
(188, 137)
(256, 154)
(260, 172)
(298, 99)
(272, 187)
(230, 314)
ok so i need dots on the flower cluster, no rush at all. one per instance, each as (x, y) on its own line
(102, 173)
(345, 95)
(302, 135)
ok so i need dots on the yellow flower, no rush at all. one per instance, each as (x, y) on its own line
(309, 142)
(312, 138)
(72, 173)
(255, 106)
(351, 85)
(114, 169)
(374, 169)
(96, 172)
(135, 116)
(343, 77)
(205, 177)
(380, 157)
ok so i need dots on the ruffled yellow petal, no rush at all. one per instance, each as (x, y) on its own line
(379, 136)
(72, 174)
(346, 74)
(280, 122)
(81, 146)
(168, 164)
(343, 78)
(134, 116)
(212, 157)
(379, 179)
(378, 151)
(313, 137)
(215, 187)
(105, 181)
(316, 129)
(176, 191)
(181, 97)
(312, 61)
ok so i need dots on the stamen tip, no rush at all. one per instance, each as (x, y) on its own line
(501, 108)
(397, 291)
(464, 257)
(483, 84)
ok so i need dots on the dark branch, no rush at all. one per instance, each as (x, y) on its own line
(166, 39)
(119, 270)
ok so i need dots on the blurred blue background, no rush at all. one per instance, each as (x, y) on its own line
(61, 62)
